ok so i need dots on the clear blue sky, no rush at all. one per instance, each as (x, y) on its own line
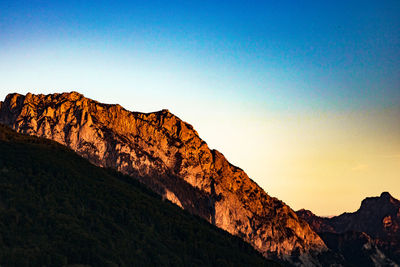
(327, 50)
(316, 65)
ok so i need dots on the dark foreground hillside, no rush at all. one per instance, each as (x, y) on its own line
(57, 209)
(168, 156)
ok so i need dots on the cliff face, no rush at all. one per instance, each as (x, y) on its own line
(76, 214)
(170, 158)
(378, 218)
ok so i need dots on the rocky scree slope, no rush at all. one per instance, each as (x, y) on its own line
(168, 156)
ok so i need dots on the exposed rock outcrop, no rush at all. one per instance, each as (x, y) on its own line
(373, 229)
(174, 161)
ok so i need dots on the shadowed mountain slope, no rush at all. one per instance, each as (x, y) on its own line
(374, 227)
(57, 209)
(168, 156)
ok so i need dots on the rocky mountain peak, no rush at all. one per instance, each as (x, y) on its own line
(318, 224)
(386, 195)
(305, 212)
(171, 158)
(383, 204)
(377, 217)
(389, 199)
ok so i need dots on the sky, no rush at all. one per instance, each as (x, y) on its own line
(302, 95)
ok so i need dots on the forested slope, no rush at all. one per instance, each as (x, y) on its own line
(57, 209)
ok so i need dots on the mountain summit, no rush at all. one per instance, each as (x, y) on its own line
(374, 227)
(169, 157)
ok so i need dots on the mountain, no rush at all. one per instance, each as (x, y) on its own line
(57, 209)
(166, 154)
(375, 226)
(357, 249)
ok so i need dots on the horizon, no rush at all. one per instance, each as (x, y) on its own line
(304, 97)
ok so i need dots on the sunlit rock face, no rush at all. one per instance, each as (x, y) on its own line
(168, 156)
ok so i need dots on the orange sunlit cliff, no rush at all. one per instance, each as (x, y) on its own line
(172, 160)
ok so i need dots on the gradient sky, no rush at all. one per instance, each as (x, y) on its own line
(303, 95)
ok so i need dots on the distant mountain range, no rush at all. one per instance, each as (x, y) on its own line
(368, 237)
(167, 155)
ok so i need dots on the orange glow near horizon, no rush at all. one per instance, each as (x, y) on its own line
(327, 163)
